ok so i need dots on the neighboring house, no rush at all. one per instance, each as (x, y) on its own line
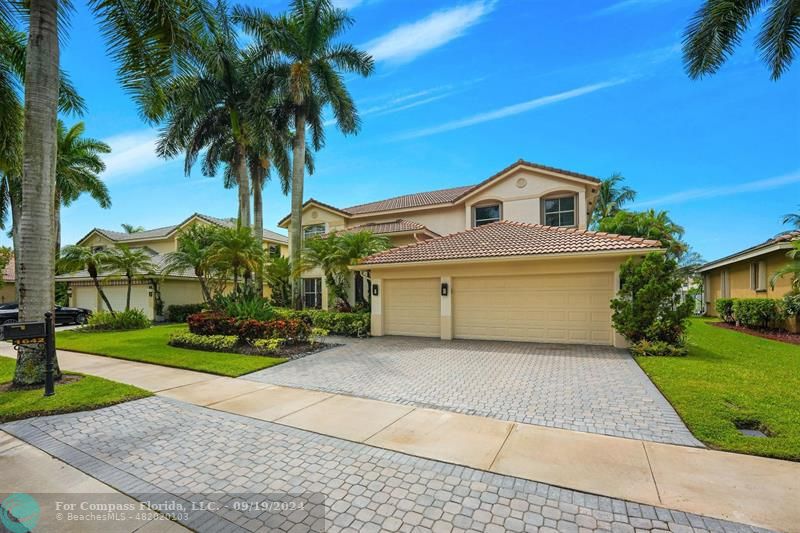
(175, 289)
(507, 259)
(746, 274)
(8, 290)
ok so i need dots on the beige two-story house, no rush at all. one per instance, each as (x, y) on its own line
(508, 258)
(175, 289)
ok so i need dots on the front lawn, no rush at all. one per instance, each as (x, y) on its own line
(150, 346)
(730, 377)
(87, 393)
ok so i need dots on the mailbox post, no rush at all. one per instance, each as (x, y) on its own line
(38, 332)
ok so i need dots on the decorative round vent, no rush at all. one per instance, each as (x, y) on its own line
(521, 183)
(314, 214)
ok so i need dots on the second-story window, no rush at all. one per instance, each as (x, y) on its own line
(274, 250)
(559, 211)
(313, 230)
(485, 214)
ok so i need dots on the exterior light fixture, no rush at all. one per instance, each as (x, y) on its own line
(374, 290)
(444, 289)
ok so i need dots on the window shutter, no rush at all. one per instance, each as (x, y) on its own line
(753, 276)
(762, 275)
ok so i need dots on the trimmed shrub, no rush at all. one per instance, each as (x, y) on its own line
(764, 313)
(724, 308)
(791, 305)
(225, 343)
(337, 323)
(658, 349)
(214, 323)
(179, 313)
(121, 320)
(647, 307)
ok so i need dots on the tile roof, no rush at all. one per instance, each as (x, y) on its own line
(420, 199)
(400, 225)
(779, 239)
(164, 231)
(509, 239)
(158, 260)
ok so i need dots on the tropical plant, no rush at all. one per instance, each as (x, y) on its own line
(238, 250)
(146, 39)
(717, 27)
(356, 246)
(793, 219)
(655, 225)
(76, 257)
(130, 228)
(193, 253)
(123, 261)
(611, 196)
(277, 275)
(791, 268)
(124, 320)
(78, 165)
(306, 69)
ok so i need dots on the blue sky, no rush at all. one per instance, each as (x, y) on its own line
(462, 89)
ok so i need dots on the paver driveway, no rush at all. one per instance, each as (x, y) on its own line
(585, 388)
(157, 445)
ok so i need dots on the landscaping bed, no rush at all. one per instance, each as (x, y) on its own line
(730, 381)
(74, 392)
(776, 335)
(150, 346)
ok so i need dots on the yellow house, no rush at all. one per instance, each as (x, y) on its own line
(508, 258)
(175, 289)
(746, 274)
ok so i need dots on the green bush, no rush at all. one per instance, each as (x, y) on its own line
(336, 322)
(225, 343)
(658, 349)
(647, 306)
(121, 320)
(764, 313)
(724, 308)
(791, 305)
(179, 313)
(245, 303)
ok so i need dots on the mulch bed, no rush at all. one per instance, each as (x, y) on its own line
(775, 335)
(65, 379)
(290, 351)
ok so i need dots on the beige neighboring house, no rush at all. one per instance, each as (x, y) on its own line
(175, 289)
(8, 291)
(508, 258)
(746, 274)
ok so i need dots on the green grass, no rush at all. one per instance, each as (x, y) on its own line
(88, 393)
(150, 346)
(728, 377)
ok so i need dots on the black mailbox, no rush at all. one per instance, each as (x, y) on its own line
(25, 331)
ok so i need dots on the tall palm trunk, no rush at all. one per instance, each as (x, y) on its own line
(201, 277)
(258, 220)
(296, 224)
(16, 218)
(57, 223)
(128, 297)
(102, 294)
(243, 182)
(35, 254)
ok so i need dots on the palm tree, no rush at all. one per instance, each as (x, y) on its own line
(611, 196)
(206, 107)
(792, 268)
(358, 245)
(130, 228)
(75, 257)
(717, 27)
(128, 262)
(793, 219)
(146, 39)
(237, 249)
(194, 253)
(651, 224)
(324, 252)
(78, 165)
(278, 274)
(306, 68)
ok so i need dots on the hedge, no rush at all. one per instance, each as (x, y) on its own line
(180, 313)
(355, 324)
(119, 321)
(724, 308)
(762, 313)
(214, 323)
(225, 343)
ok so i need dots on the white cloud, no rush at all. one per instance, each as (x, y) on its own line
(511, 110)
(624, 5)
(131, 153)
(409, 41)
(724, 190)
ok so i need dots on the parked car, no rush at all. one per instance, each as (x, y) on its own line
(9, 312)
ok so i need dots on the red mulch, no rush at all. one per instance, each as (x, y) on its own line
(775, 335)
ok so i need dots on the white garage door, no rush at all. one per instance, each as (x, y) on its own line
(562, 308)
(117, 295)
(412, 307)
(85, 297)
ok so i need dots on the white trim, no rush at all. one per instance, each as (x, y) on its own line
(743, 257)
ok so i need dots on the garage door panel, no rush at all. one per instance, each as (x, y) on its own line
(412, 307)
(538, 308)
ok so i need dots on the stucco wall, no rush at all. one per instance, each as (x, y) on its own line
(8, 292)
(176, 292)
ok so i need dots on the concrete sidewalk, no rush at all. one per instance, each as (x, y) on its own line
(723, 485)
